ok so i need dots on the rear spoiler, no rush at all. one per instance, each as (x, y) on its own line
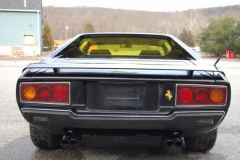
(121, 67)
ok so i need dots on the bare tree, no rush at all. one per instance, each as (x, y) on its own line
(195, 18)
(118, 20)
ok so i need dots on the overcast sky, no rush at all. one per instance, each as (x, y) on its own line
(146, 5)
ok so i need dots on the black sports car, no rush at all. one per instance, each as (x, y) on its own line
(125, 87)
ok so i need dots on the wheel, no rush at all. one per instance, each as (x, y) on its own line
(44, 140)
(201, 143)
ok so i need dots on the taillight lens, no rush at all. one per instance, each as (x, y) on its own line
(45, 92)
(60, 93)
(217, 96)
(201, 95)
(29, 92)
(185, 95)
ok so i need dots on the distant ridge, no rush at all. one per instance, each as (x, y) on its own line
(119, 20)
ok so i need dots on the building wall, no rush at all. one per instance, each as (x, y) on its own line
(19, 4)
(14, 25)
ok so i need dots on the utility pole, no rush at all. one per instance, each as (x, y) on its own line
(66, 32)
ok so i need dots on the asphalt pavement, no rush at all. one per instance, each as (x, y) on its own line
(16, 143)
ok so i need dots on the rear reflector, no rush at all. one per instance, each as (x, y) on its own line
(204, 121)
(41, 119)
(201, 95)
(45, 92)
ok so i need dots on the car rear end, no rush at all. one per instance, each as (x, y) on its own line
(111, 96)
(190, 106)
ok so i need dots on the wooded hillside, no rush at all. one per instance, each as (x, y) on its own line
(117, 20)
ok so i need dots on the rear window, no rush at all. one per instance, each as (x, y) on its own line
(124, 48)
(128, 46)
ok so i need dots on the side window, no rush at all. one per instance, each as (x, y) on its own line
(84, 46)
(166, 47)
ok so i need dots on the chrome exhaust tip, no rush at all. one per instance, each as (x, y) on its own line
(179, 143)
(74, 142)
(169, 143)
(65, 142)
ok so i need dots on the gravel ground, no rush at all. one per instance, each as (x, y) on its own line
(16, 142)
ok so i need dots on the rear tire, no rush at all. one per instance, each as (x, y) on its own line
(43, 139)
(201, 143)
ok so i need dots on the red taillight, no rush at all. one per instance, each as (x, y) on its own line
(60, 93)
(45, 92)
(185, 95)
(201, 95)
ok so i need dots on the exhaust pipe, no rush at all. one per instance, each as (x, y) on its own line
(70, 139)
(74, 142)
(65, 142)
(169, 143)
(179, 143)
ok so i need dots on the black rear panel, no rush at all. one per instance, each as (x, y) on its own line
(123, 96)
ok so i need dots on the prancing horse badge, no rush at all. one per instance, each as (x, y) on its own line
(168, 95)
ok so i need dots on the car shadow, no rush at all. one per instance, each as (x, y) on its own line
(24, 149)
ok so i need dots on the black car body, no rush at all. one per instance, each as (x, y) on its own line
(163, 90)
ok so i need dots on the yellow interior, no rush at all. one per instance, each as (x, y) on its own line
(127, 46)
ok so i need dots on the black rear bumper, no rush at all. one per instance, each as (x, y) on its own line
(183, 121)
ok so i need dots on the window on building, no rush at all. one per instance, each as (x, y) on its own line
(28, 39)
(25, 3)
